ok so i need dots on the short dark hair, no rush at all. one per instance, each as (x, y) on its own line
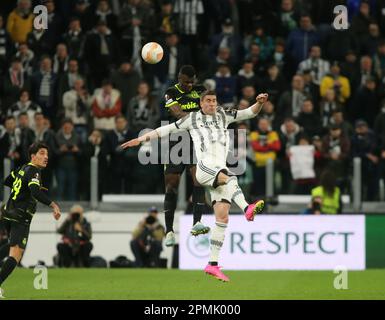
(22, 114)
(67, 120)
(187, 70)
(34, 148)
(208, 93)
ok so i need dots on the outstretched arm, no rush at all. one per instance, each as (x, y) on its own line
(181, 124)
(253, 110)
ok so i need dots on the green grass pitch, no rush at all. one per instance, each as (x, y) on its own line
(162, 284)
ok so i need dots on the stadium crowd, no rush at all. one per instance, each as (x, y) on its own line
(81, 86)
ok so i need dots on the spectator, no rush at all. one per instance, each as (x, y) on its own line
(25, 105)
(135, 24)
(10, 142)
(6, 46)
(106, 105)
(76, 245)
(302, 159)
(246, 77)
(101, 52)
(366, 96)
(95, 146)
(366, 71)
(60, 60)
(39, 42)
(225, 85)
(143, 111)
(268, 112)
(309, 120)
(289, 135)
(370, 41)
(326, 198)
(350, 68)
(364, 146)
(327, 106)
(337, 82)
(175, 56)
(335, 151)
(266, 144)
(20, 21)
(77, 107)
(44, 84)
(13, 82)
(189, 20)
(67, 80)
(254, 55)
(146, 243)
(274, 83)
(379, 60)
(361, 21)
(46, 135)
(55, 23)
(74, 38)
(248, 94)
(287, 18)
(223, 57)
(227, 39)
(291, 101)
(126, 81)
(165, 20)
(122, 162)
(338, 119)
(67, 162)
(300, 40)
(104, 13)
(265, 43)
(27, 58)
(84, 13)
(317, 66)
(27, 137)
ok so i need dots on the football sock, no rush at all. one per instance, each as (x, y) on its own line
(4, 251)
(169, 210)
(7, 268)
(216, 241)
(238, 196)
(199, 201)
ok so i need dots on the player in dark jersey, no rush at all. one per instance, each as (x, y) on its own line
(20, 208)
(182, 98)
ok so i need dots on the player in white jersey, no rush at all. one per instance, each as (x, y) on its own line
(208, 129)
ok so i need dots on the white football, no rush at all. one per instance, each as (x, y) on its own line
(152, 52)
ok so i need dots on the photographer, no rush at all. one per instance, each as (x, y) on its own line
(76, 246)
(146, 243)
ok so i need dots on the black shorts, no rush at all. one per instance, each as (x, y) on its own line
(17, 233)
(180, 167)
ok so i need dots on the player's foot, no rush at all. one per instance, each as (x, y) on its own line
(2, 294)
(216, 272)
(253, 209)
(170, 239)
(199, 228)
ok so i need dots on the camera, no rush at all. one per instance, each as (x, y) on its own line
(75, 217)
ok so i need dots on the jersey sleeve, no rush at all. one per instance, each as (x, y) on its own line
(170, 98)
(184, 123)
(33, 177)
(235, 115)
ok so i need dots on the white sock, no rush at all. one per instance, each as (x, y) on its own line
(216, 241)
(237, 193)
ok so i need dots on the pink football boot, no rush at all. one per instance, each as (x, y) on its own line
(253, 209)
(216, 272)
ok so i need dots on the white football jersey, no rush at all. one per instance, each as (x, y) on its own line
(209, 132)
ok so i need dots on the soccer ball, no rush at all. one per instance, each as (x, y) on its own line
(152, 52)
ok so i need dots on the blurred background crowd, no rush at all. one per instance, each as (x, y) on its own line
(82, 87)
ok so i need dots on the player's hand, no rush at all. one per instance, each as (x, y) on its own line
(262, 98)
(132, 143)
(56, 211)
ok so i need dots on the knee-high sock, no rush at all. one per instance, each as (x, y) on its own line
(7, 268)
(237, 193)
(216, 241)
(4, 251)
(199, 202)
(169, 210)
